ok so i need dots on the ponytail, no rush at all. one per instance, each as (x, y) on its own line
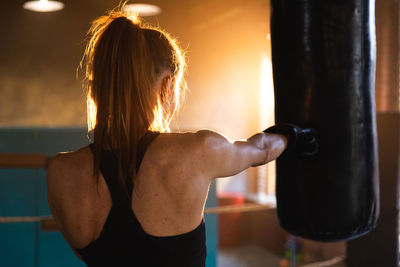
(123, 61)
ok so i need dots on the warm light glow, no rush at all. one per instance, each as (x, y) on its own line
(161, 118)
(266, 173)
(179, 74)
(43, 6)
(266, 92)
(160, 122)
(91, 113)
(142, 10)
(134, 17)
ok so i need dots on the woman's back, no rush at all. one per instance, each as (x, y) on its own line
(167, 200)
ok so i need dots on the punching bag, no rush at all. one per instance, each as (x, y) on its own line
(323, 58)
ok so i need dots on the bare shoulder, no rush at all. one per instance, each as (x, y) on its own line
(191, 139)
(185, 144)
(70, 187)
(65, 169)
(189, 152)
(70, 181)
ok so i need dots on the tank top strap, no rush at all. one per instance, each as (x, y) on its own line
(109, 169)
(142, 146)
(141, 149)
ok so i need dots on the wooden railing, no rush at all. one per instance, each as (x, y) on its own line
(21, 161)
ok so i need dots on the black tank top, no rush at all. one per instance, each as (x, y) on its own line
(123, 241)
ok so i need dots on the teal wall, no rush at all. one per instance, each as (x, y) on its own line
(23, 193)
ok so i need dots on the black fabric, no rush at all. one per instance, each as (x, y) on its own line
(123, 241)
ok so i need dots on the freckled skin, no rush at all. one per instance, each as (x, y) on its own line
(170, 189)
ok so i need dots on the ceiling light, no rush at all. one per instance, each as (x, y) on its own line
(43, 6)
(143, 10)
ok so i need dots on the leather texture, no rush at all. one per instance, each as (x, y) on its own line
(323, 56)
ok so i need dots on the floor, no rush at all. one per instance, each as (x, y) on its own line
(254, 256)
(247, 256)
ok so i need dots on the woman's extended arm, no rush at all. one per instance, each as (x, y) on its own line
(222, 157)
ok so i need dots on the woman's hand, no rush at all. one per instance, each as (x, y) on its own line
(272, 144)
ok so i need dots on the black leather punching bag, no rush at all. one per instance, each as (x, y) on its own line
(323, 56)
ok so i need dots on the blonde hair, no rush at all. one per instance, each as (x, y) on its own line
(123, 59)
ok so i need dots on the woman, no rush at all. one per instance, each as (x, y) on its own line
(136, 195)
